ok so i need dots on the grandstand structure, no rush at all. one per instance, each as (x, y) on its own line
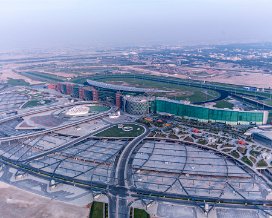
(140, 101)
(74, 90)
(72, 161)
(206, 114)
(122, 88)
(115, 93)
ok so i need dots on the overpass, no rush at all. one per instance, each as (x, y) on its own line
(41, 110)
(119, 191)
(71, 124)
(118, 199)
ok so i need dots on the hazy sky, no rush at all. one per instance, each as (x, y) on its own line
(80, 23)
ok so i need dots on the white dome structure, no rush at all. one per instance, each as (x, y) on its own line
(80, 110)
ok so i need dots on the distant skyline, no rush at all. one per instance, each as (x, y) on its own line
(114, 23)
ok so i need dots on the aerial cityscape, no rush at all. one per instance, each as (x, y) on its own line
(134, 130)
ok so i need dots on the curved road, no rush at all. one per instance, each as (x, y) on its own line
(118, 205)
(41, 110)
(113, 109)
(119, 192)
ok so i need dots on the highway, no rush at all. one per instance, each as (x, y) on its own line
(119, 191)
(60, 147)
(121, 170)
(32, 112)
(261, 105)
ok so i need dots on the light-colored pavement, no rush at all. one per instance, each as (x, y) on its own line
(15, 202)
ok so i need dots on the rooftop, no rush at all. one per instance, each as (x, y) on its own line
(267, 134)
(122, 88)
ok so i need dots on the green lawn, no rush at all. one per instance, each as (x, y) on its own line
(138, 213)
(97, 210)
(223, 104)
(35, 103)
(118, 132)
(229, 87)
(17, 82)
(235, 154)
(255, 153)
(180, 92)
(44, 77)
(98, 108)
(247, 161)
(269, 102)
(262, 163)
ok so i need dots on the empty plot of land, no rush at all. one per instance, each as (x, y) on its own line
(227, 213)
(15, 202)
(174, 211)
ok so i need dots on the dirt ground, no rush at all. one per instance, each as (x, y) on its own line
(254, 78)
(15, 202)
(257, 79)
(7, 71)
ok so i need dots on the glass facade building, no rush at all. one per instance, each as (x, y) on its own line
(75, 93)
(210, 114)
(168, 106)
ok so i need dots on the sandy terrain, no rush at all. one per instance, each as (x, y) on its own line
(257, 79)
(66, 75)
(7, 71)
(223, 74)
(248, 79)
(152, 72)
(15, 202)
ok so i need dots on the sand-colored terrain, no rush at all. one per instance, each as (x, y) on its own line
(15, 202)
(222, 73)
(247, 79)
(258, 79)
(8, 71)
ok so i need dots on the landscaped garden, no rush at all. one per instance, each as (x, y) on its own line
(35, 103)
(122, 131)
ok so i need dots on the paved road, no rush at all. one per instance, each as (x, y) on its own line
(118, 194)
(61, 147)
(41, 110)
(121, 170)
(261, 105)
(119, 190)
(58, 127)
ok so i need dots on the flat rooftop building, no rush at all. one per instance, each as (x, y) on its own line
(123, 88)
